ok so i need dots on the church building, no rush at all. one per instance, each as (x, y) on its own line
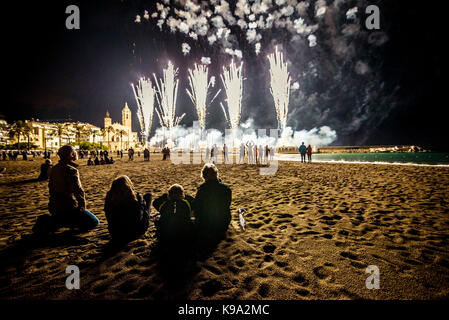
(119, 136)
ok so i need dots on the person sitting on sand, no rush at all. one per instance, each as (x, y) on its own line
(102, 161)
(67, 204)
(212, 204)
(174, 225)
(127, 211)
(111, 160)
(90, 162)
(146, 154)
(45, 170)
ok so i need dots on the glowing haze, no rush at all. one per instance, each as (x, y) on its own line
(144, 94)
(233, 83)
(280, 82)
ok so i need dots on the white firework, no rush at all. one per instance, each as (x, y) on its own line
(167, 91)
(233, 83)
(280, 84)
(199, 87)
(144, 95)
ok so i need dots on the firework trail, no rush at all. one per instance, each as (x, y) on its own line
(144, 94)
(280, 82)
(199, 87)
(167, 91)
(233, 83)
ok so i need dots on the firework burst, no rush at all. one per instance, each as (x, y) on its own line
(144, 95)
(167, 91)
(233, 83)
(280, 82)
(199, 87)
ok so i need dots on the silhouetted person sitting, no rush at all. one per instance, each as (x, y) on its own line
(96, 161)
(212, 205)
(126, 210)
(102, 161)
(146, 154)
(174, 226)
(90, 162)
(67, 204)
(45, 170)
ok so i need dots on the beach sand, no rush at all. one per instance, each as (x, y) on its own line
(312, 230)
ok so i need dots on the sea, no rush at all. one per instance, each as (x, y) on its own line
(440, 159)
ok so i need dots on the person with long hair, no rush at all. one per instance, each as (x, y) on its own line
(127, 212)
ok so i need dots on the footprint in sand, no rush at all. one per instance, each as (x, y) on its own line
(264, 289)
(325, 271)
(269, 248)
(301, 279)
(213, 269)
(211, 287)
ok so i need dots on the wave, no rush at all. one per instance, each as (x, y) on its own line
(368, 162)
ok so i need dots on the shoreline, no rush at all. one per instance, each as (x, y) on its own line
(370, 162)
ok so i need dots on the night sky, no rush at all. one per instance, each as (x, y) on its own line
(55, 73)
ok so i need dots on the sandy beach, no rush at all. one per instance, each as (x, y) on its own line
(312, 230)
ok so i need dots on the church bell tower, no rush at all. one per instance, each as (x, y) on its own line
(107, 120)
(126, 116)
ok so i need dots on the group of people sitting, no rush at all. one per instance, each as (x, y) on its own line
(183, 218)
(102, 160)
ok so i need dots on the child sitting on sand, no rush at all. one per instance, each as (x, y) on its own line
(174, 225)
(45, 170)
(127, 212)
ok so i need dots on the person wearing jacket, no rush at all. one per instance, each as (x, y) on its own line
(127, 212)
(212, 204)
(175, 224)
(303, 151)
(67, 203)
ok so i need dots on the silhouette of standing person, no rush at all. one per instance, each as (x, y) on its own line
(309, 153)
(303, 151)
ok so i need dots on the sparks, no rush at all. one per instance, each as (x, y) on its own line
(144, 95)
(233, 84)
(167, 91)
(280, 82)
(199, 87)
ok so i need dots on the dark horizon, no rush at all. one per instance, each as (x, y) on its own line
(56, 73)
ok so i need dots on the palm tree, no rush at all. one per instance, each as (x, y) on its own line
(109, 129)
(102, 134)
(122, 133)
(79, 131)
(16, 129)
(27, 133)
(60, 131)
(88, 132)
